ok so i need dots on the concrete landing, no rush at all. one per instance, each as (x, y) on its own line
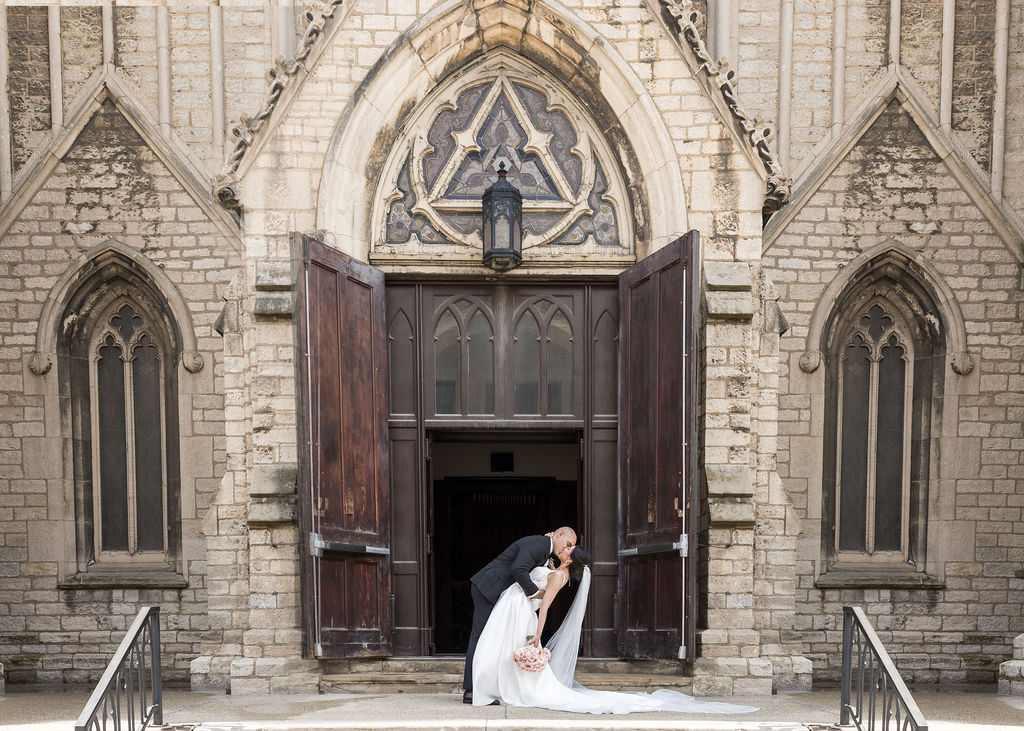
(57, 711)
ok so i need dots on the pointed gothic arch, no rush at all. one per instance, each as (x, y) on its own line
(440, 45)
(118, 338)
(891, 256)
(104, 261)
(883, 333)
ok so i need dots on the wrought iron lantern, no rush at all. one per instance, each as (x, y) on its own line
(503, 224)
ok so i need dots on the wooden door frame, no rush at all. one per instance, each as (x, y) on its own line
(598, 296)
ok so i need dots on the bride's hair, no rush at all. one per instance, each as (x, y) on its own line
(580, 560)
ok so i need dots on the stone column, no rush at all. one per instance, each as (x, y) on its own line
(730, 661)
(253, 532)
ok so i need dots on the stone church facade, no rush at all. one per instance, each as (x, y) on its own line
(185, 238)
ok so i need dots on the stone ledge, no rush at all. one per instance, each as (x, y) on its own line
(730, 305)
(729, 480)
(129, 579)
(271, 510)
(731, 511)
(273, 479)
(877, 579)
(273, 275)
(727, 276)
(273, 304)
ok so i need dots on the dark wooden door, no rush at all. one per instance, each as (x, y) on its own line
(345, 464)
(657, 435)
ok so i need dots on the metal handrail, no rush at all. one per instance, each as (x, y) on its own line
(131, 680)
(889, 705)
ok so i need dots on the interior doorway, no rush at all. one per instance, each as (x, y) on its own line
(489, 489)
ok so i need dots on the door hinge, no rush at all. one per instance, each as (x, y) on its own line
(317, 546)
(682, 545)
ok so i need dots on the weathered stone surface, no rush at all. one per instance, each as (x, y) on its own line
(273, 479)
(271, 275)
(273, 304)
(724, 511)
(271, 510)
(729, 305)
(728, 480)
(727, 275)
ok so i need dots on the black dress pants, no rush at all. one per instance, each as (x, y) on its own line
(482, 607)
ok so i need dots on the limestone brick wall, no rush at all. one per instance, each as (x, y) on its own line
(109, 185)
(28, 51)
(867, 41)
(135, 44)
(812, 77)
(758, 62)
(893, 186)
(1013, 172)
(974, 76)
(246, 58)
(81, 43)
(921, 50)
(191, 114)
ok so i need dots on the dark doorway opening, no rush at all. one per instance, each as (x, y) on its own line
(490, 489)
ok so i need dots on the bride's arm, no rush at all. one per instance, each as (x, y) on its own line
(545, 602)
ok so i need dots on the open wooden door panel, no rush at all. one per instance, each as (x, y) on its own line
(657, 451)
(346, 519)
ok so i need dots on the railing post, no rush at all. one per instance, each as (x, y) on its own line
(844, 690)
(158, 696)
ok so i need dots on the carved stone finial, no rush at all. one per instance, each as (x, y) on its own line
(278, 77)
(225, 190)
(192, 360)
(759, 134)
(810, 361)
(962, 363)
(40, 363)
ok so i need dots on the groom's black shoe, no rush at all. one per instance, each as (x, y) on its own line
(467, 697)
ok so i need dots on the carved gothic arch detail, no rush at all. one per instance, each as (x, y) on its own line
(111, 252)
(960, 359)
(501, 110)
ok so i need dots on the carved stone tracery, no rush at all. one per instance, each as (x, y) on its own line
(501, 113)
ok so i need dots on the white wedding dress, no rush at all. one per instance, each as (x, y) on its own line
(497, 677)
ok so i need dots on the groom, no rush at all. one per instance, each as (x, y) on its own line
(513, 564)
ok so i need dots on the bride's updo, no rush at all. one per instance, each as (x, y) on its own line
(580, 560)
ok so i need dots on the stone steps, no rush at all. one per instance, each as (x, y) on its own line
(444, 675)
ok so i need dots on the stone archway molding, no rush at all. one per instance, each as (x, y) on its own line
(961, 360)
(456, 33)
(46, 332)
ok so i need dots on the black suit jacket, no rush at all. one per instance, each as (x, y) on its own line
(514, 564)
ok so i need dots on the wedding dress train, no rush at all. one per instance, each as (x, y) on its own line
(497, 677)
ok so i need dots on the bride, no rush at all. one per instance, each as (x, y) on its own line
(515, 617)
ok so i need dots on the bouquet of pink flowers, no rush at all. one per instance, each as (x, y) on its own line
(530, 658)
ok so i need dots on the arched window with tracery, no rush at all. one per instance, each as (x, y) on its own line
(127, 373)
(118, 353)
(884, 348)
(873, 436)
